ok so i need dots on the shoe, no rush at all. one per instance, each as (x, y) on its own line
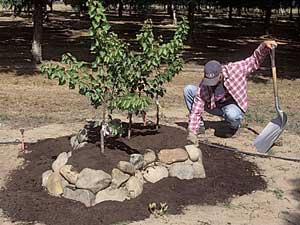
(232, 132)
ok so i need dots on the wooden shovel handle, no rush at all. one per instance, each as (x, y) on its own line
(274, 73)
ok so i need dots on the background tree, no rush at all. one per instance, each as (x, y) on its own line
(38, 7)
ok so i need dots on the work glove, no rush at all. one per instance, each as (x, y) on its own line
(201, 128)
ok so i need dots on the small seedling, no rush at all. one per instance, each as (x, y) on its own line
(158, 210)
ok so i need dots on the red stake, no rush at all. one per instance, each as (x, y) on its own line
(22, 130)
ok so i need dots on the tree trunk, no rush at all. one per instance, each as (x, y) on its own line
(169, 10)
(230, 11)
(103, 127)
(37, 32)
(239, 11)
(130, 9)
(129, 125)
(174, 14)
(157, 112)
(191, 15)
(120, 9)
(268, 13)
(291, 9)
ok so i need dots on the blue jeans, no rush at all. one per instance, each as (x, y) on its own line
(231, 113)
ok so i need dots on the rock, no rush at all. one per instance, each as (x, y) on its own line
(149, 157)
(170, 156)
(193, 152)
(68, 172)
(61, 160)
(137, 160)
(45, 177)
(155, 173)
(64, 182)
(54, 184)
(139, 175)
(93, 180)
(182, 171)
(126, 167)
(81, 195)
(118, 178)
(74, 142)
(199, 171)
(82, 135)
(81, 145)
(109, 194)
(134, 187)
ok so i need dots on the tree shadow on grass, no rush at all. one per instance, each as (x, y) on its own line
(221, 39)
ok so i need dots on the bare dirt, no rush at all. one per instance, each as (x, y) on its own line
(47, 111)
(228, 176)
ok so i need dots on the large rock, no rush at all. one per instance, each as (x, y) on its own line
(110, 194)
(82, 135)
(81, 195)
(155, 173)
(45, 177)
(54, 184)
(137, 160)
(139, 175)
(134, 186)
(183, 171)
(68, 172)
(118, 178)
(193, 152)
(61, 160)
(199, 171)
(126, 167)
(149, 157)
(170, 156)
(76, 144)
(93, 180)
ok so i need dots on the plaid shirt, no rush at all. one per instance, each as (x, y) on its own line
(235, 80)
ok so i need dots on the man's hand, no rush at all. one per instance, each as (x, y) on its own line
(270, 44)
(201, 129)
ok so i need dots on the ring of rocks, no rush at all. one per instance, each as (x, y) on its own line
(126, 180)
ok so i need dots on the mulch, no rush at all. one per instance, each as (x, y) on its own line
(24, 199)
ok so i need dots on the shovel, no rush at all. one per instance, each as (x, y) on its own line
(264, 141)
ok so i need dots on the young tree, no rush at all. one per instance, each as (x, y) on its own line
(119, 78)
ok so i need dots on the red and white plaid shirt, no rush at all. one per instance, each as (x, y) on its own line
(235, 80)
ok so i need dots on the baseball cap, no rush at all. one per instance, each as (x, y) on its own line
(212, 73)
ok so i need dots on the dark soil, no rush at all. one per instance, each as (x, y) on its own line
(24, 199)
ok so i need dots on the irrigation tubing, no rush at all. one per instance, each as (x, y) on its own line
(214, 145)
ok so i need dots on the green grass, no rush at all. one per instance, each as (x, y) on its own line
(278, 193)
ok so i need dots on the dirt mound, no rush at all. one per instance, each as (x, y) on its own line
(24, 198)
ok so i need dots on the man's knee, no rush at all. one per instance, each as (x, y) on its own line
(234, 116)
(188, 89)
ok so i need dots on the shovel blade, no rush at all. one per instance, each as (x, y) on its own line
(264, 141)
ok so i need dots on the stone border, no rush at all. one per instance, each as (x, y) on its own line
(126, 181)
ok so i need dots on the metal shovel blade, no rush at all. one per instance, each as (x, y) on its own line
(272, 131)
(264, 141)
